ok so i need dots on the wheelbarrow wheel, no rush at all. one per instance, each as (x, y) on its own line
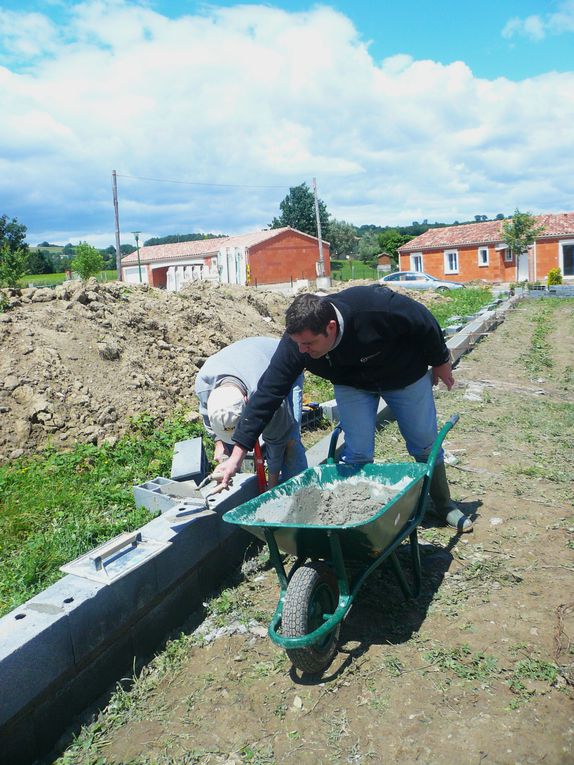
(312, 594)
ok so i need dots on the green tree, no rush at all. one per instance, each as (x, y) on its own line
(40, 262)
(298, 211)
(520, 231)
(13, 251)
(88, 261)
(369, 247)
(343, 239)
(390, 241)
(13, 265)
(13, 234)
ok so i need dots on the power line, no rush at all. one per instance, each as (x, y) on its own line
(196, 183)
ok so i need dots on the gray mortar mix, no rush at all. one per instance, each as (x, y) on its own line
(335, 504)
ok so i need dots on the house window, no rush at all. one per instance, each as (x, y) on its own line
(508, 255)
(416, 262)
(566, 263)
(483, 256)
(451, 261)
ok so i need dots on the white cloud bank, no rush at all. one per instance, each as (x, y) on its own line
(537, 27)
(252, 95)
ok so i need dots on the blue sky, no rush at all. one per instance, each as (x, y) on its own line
(402, 111)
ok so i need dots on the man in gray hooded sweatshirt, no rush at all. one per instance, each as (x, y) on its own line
(223, 386)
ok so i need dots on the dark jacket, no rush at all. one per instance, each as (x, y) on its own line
(389, 341)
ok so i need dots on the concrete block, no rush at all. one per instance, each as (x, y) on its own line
(330, 410)
(149, 495)
(91, 608)
(190, 544)
(170, 613)
(192, 541)
(136, 589)
(561, 290)
(214, 568)
(189, 460)
(55, 713)
(35, 650)
(18, 745)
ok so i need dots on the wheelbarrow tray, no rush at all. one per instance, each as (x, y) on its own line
(361, 541)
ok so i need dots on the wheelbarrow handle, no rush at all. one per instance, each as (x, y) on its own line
(449, 424)
(333, 442)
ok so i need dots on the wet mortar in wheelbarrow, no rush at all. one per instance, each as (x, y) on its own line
(340, 522)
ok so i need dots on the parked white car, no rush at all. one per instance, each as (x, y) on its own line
(417, 280)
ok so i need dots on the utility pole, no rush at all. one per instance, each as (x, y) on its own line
(117, 219)
(321, 263)
(137, 236)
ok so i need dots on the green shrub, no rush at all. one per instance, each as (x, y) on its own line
(13, 265)
(554, 276)
(88, 261)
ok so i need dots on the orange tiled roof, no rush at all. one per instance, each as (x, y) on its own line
(555, 224)
(202, 247)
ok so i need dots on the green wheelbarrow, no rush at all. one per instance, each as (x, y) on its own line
(334, 559)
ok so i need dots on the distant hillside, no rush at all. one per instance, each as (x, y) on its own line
(181, 238)
(53, 249)
(416, 228)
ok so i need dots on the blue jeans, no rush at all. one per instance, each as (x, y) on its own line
(295, 457)
(413, 408)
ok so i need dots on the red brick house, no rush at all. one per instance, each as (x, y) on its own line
(477, 251)
(277, 256)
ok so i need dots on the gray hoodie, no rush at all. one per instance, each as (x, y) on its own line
(244, 362)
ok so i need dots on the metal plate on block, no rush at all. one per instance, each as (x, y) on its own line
(115, 558)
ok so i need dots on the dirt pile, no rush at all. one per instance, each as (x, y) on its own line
(78, 360)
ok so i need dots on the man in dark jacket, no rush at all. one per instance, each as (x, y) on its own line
(370, 342)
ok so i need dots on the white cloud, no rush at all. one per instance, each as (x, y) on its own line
(26, 34)
(536, 27)
(256, 96)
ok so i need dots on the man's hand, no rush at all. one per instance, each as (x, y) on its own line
(225, 471)
(444, 373)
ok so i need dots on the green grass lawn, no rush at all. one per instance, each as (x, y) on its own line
(51, 280)
(58, 505)
(343, 270)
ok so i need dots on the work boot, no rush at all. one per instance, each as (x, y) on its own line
(442, 505)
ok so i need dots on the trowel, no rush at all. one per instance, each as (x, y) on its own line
(192, 502)
(190, 492)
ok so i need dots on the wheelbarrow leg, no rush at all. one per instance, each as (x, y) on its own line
(408, 591)
(275, 557)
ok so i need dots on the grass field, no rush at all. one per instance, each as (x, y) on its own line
(52, 280)
(343, 270)
(58, 505)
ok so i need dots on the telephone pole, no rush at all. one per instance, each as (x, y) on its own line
(321, 263)
(117, 221)
(322, 280)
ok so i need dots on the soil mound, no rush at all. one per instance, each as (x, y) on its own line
(77, 361)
